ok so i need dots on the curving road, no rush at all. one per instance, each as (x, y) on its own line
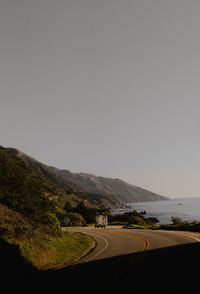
(113, 242)
(134, 259)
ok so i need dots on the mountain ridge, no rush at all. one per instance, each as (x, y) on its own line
(62, 186)
(114, 187)
(107, 191)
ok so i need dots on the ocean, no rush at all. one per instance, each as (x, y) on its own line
(188, 209)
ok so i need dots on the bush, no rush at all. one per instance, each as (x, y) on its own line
(138, 220)
(133, 217)
(53, 222)
(13, 224)
(87, 212)
(151, 220)
(75, 219)
(176, 220)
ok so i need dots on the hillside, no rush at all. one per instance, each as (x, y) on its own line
(61, 187)
(24, 190)
(114, 188)
(28, 188)
(35, 200)
(45, 171)
(99, 191)
(30, 219)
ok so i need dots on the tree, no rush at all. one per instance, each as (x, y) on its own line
(176, 220)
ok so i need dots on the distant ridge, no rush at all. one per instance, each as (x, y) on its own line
(103, 191)
(64, 187)
(115, 188)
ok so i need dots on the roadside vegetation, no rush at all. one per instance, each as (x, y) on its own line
(133, 219)
(176, 224)
(41, 246)
(46, 251)
(180, 225)
(30, 221)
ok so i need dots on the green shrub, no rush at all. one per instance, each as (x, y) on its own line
(176, 220)
(13, 224)
(53, 222)
(75, 219)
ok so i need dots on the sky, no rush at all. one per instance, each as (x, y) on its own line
(108, 87)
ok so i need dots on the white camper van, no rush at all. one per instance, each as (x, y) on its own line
(101, 221)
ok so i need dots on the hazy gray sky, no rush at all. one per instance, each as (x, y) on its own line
(109, 87)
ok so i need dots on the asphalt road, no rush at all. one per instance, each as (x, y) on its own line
(134, 259)
(114, 242)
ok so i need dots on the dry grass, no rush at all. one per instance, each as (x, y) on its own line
(45, 251)
(12, 224)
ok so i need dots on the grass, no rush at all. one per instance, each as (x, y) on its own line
(192, 227)
(41, 246)
(143, 227)
(118, 223)
(183, 226)
(48, 252)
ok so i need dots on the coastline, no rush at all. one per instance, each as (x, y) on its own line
(188, 209)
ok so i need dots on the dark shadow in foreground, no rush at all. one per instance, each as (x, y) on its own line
(158, 269)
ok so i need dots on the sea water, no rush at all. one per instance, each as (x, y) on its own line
(187, 209)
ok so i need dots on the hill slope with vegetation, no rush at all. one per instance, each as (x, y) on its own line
(34, 202)
(30, 219)
(104, 192)
(29, 188)
(63, 186)
(114, 188)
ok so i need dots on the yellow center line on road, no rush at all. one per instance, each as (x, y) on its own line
(146, 244)
(133, 261)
